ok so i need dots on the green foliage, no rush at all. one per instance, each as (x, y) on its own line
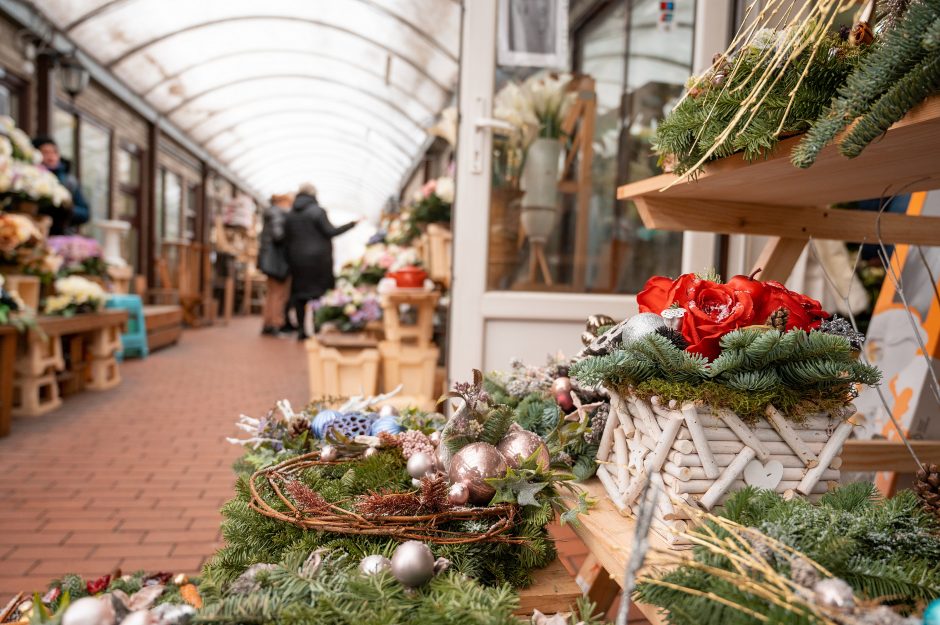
(252, 538)
(798, 372)
(429, 210)
(698, 122)
(886, 550)
(900, 71)
(339, 593)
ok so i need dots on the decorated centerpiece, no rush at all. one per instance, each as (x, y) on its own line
(378, 260)
(715, 386)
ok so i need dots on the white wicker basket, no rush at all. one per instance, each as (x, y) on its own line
(698, 456)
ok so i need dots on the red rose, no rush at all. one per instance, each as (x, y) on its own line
(660, 292)
(805, 312)
(712, 309)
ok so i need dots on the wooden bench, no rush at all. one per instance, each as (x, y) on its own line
(164, 325)
(553, 590)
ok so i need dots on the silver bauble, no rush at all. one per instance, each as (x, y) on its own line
(413, 564)
(388, 411)
(370, 565)
(89, 611)
(328, 453)
(520, 445)
(420, 465)
(458, 494)
(834, 592)
(640, 325)
(474, 464)
(435, 438)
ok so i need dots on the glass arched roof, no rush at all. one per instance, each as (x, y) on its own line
(336, 92)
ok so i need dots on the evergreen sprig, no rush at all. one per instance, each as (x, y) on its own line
(900, 71)
(791, 368)
(887, 550)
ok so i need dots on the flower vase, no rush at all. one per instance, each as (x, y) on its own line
(113, 232)
(29, 288)
(540, 183)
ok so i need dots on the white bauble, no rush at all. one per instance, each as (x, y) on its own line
(640, 325)
(90, 611)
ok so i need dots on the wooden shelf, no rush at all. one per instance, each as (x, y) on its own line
(733, 196)
(884, 455)
(609, 537)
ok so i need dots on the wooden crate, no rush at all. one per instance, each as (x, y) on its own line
(342, 371)
(27, 287)
(412, 367)
(438, 251)
(164, 325)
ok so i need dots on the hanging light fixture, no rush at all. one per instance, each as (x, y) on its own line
(73, 77)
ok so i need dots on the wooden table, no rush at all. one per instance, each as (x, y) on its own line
(609, 537)
(7, 358)
(553, 590)
(42, 371)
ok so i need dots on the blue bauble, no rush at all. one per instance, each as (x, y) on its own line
(321, 423)
(932, 613)
(388, 424)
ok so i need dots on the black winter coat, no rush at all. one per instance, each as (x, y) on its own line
(308, 236)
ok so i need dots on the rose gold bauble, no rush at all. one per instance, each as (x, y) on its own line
(474, 464)
(458, 494)
(520, 445)
(561, 391)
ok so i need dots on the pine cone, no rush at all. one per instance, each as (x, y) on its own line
(927, 487)
(675, 337)
(778, 319)
(298, 425)
(598, 423)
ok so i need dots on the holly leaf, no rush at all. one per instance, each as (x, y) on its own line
(581, 507)
(527, 491)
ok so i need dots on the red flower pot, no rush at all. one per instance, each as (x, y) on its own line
(409, 277)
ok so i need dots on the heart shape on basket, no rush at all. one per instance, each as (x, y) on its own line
(763, 475)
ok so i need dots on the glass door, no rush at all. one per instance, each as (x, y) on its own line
(554, 245)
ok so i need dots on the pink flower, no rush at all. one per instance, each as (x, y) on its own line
(429, 188)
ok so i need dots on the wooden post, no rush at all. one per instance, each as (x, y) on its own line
(779, 256)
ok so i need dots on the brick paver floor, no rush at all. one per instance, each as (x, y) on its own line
(134, 477)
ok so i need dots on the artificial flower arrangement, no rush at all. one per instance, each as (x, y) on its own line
(21, 175)
(716, 386)
(75, 295)
(534, 109)
(80, 255)
(433, 203)
(22, 249)
(346, 307)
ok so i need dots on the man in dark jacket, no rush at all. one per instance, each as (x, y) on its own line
(272, 261)
(308, 237)
(65, 219)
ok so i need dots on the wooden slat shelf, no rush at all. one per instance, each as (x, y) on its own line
(883, 455)
(734, 196)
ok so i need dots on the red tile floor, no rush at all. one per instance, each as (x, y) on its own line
(134, 477)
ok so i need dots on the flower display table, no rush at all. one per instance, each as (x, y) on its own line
(42, 371)
(7, 358)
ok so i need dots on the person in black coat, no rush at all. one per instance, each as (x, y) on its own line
(308, 238)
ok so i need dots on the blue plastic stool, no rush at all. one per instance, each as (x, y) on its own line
(134, 341)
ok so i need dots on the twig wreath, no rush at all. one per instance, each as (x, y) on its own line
(308, 509)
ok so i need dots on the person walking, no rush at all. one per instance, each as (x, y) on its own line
(272, 261)
(309, 242)
(65, 219)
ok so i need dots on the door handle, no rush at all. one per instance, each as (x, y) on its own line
(482, 126)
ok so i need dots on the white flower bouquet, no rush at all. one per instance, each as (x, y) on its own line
(75, 295)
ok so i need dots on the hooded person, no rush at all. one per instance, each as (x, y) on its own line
(308, 240)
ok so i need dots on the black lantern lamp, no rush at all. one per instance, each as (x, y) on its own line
(73, 77)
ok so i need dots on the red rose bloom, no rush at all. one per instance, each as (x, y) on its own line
(805, 312)
(712, 309)
(98, 585)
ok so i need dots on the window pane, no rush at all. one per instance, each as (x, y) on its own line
(95, 162)
(172, 205)
(128, 168)
(10, 103)
(192, 211)
(63, 130)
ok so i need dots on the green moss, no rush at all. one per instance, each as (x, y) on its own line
(749, 405)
